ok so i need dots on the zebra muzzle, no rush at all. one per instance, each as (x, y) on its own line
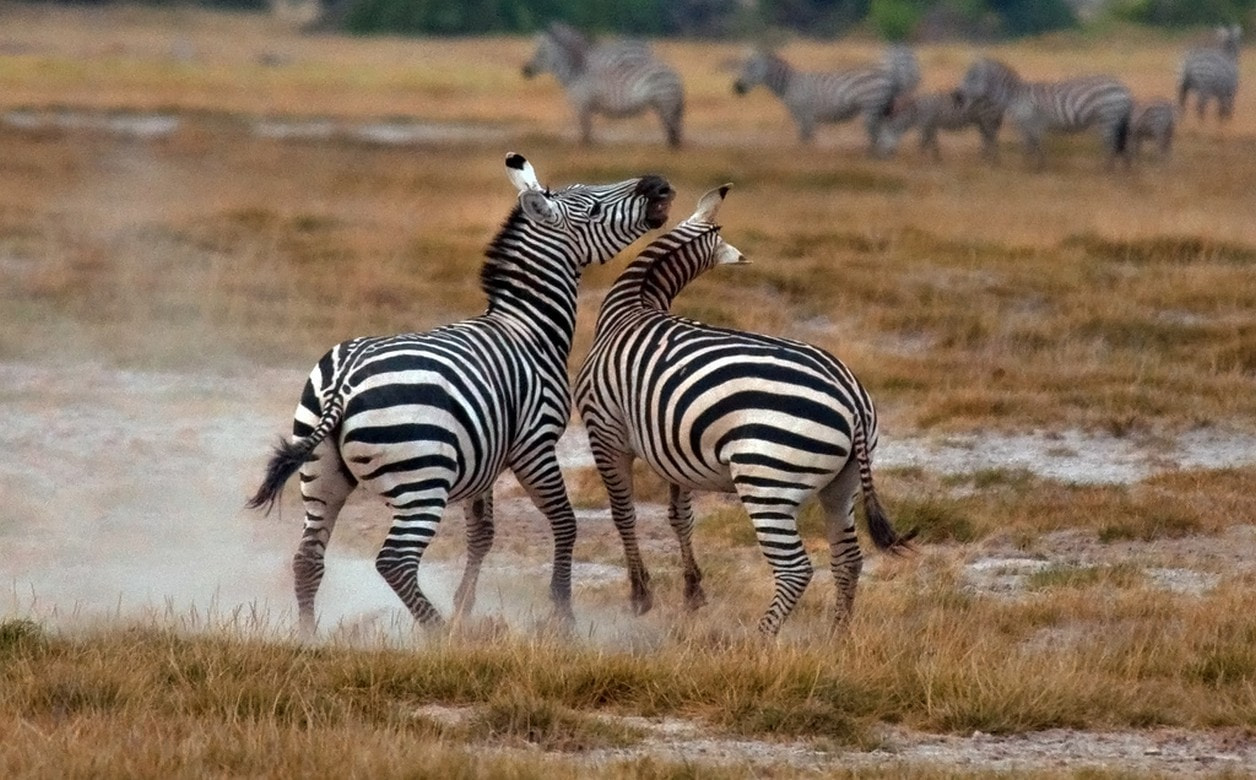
(659, 195)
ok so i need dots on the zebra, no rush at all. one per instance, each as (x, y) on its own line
(835, 96)
(423, 419)
(709, 408)
(614, 79)
(1072, 105)
(936, 111)
(1153, 120)
(1212, 72)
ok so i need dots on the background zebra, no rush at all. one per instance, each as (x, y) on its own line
(936, 111)
(1212, 72)
(836, 96)
(773, 420)
(422, 419)
(1154, 121)
(1099, 102)
(614, 79)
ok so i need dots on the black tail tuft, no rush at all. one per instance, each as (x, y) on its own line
(1122, 140)
(882, 532)
(287, 458)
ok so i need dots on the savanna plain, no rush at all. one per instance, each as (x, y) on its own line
(194, 206)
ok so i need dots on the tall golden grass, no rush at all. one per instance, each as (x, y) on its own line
(967, 297)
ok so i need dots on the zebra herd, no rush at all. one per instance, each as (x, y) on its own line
(425, 419)
(623, 78)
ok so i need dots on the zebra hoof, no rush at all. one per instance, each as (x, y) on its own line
(695, 598)
(642, 603)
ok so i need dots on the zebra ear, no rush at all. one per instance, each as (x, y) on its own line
(538, 208)
(521, 173)
(709, 204)
(727, 254)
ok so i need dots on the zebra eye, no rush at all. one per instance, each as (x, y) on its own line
(595, 209)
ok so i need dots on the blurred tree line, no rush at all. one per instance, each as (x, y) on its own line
(891, 19)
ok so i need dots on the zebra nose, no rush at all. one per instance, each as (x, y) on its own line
(528, 71)
(659, 196)
(739, 88)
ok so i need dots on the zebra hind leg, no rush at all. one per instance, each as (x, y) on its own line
(846, 560)
(542, 478)
(615, 469)
(680, 516)
(398, 560)
(325, 484)
(775, 520)
(480, 531)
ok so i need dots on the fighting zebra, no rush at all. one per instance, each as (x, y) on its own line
(836, 96)
(1073, 105)
(1212, 72)
(708, 408)
(900, 60)
(423, 419)
(614, 79)
(1153, 120)
(936, 111)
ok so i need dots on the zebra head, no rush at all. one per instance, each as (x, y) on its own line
(754, 71)
(723, 252)
(986, 79)
(1229, 38)
(560, 50)
(594, 221)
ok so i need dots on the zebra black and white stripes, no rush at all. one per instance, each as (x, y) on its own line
(814, 98)
(422, 419)
(614, 79)
(935, 111)
(774, 420)
(1099, 102)
(1212, 72)
(1154, 121)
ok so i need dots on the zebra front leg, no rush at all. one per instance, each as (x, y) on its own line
(680, 515)
(845, 558)
(324, 487)
(586, 126)
(480, 528)
(414, 525)
(615, 468)
(542, 478)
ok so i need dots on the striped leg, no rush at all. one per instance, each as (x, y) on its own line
(680, 515)
(324, 487)
(774, 514)
(542, 478)
(414, 524)
(846, 561)
(615, 468)
(479, 518)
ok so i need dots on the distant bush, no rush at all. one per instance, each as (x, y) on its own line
(1183, 13)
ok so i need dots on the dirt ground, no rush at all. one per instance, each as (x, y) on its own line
(124, 499)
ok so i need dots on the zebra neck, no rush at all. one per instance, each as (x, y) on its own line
(531, 281)
(780, 74)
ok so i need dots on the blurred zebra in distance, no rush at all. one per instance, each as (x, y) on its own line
(773, 420)
(1101, 103)
(423, 419)
(900, 60)
(835, 96)
(614, 79)
(1212, 72)
(934, 111)
(1154, 121)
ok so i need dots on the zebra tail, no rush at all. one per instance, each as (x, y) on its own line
(1123, 133)
(880, 529)
(289, 456)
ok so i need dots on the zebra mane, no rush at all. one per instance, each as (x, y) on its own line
(500, 251)
(573, 42)
(669, 264)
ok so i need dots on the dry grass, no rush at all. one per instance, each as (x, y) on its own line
(966, 297)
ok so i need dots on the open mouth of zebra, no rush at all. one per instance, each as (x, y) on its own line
(659, 196)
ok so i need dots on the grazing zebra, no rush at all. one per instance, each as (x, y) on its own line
(422, 419)
(1212, 72)
(813, 98)
(1153, 121)
(773, 420)
(1073, 105)
(614, 79)
(936, 111)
